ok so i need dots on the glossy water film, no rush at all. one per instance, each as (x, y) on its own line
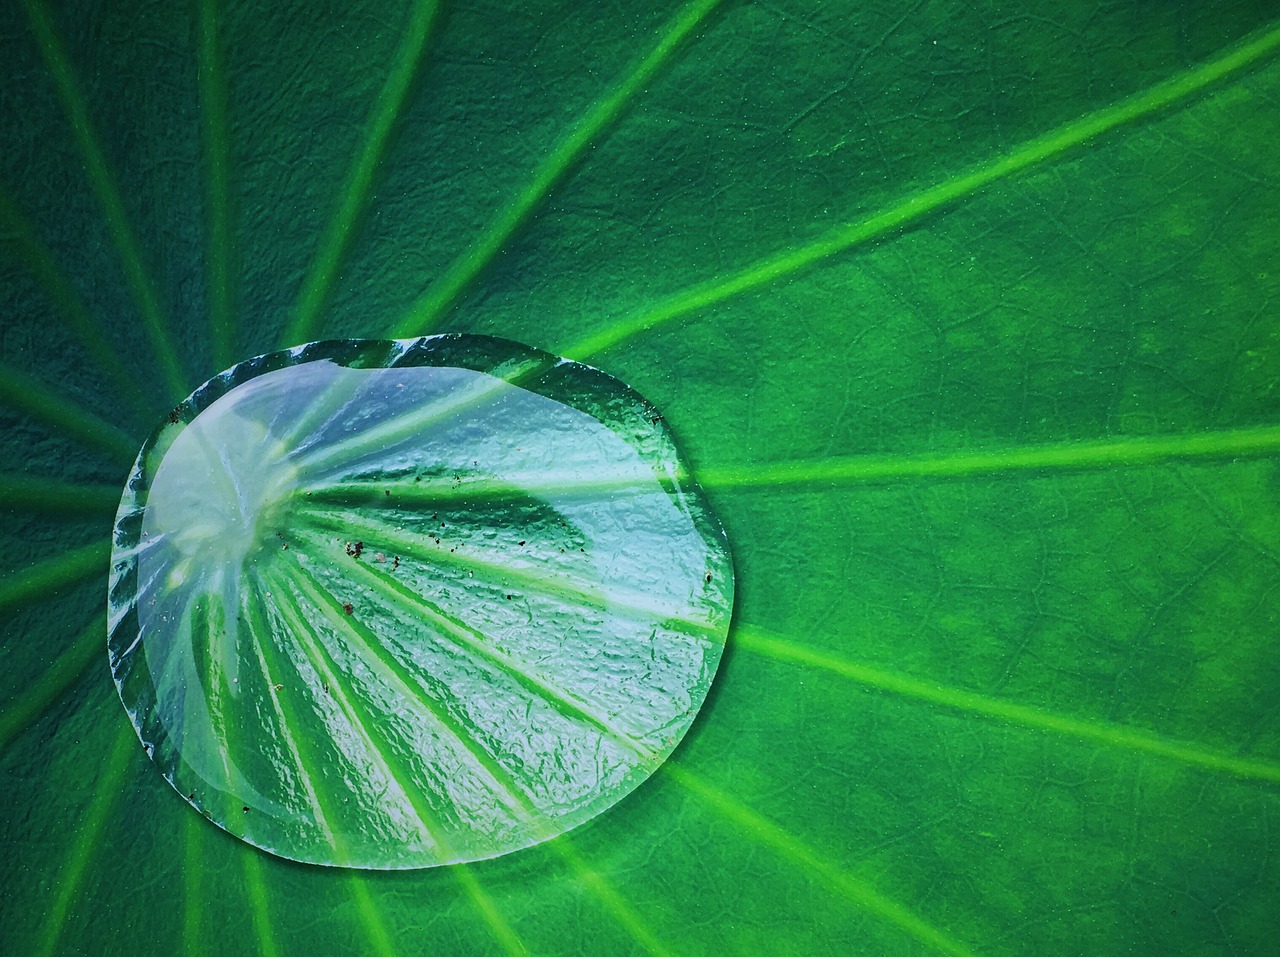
(396, 604)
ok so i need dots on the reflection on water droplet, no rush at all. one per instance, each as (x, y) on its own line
(413, 602)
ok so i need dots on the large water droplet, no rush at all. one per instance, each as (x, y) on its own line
(399, 604)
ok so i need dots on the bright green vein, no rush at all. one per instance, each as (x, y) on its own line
(968, 702)
(57, 498)
(70, 663)
(815, 864)
(46, 578)
(140, 283)
(613, 901)
(28, 394)
(425, 313)
(387, 108)
(192, 896)
(1130, 452)
(87, 835)
(256, 890)
(377, 940)
(58, 286)
(917, 205)
(503, 935)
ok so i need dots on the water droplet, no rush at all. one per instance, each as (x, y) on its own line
(440, 722)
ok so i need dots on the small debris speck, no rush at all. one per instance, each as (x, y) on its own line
(347, 607)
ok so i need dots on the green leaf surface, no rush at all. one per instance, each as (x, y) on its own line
(963, 316)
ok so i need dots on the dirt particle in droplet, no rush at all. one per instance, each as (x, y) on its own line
(279, 687)
(245, 809)
(708, 578)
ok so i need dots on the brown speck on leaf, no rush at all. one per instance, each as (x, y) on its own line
(521, 542)
(396, 563)
(347, 607)
(279, 687)
(245, 809)
(326, 687)
(355, 548)
(387, 491)
(708, 578)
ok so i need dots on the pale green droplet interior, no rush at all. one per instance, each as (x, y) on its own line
(413, 603)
